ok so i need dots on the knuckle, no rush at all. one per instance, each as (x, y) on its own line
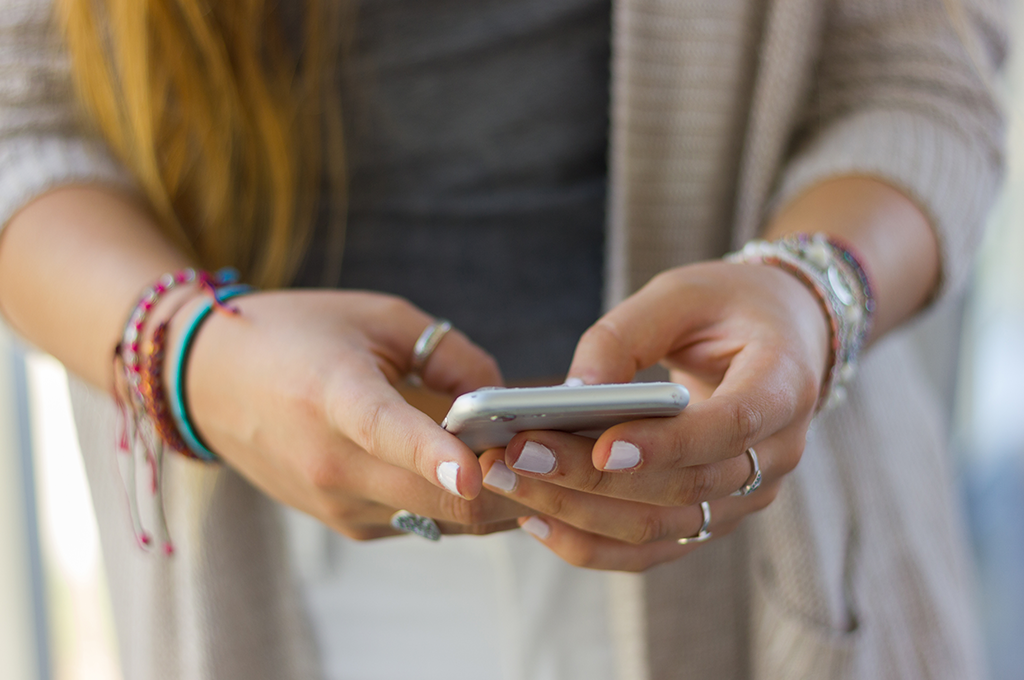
(699, 483)
(558, 503)
(747, 421)
(478, 530)
(395, 307)
(323, 475)
(663, 280)
(369, 427)
(377, 433)
(462, 511)
(651, 528)
(603, 331)
(419, 459)
(582, 553)
(591, 480)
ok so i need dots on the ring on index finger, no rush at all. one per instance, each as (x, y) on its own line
(755, 476)
(425, 345)
(703, 534)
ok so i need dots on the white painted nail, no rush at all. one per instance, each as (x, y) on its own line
(623, 456)
(535, 458)
(500, 477)
(537, 527)
(448, 475)
(574, 382)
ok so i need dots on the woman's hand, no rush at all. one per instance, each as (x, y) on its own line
(296, 393)
(751, 343)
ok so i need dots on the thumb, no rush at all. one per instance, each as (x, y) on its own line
(640, 331)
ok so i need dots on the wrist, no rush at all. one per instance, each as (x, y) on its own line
(185, 327)
(151, 392)
(834, 275)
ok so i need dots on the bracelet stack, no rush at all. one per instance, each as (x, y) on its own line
(835, 275)
(152, 418)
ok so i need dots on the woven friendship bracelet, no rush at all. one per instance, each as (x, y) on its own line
(176, 366)
(146, 426)
(835, 275)
(154, 396)
(130, 347)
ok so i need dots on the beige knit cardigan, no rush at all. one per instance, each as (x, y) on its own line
(721, 110)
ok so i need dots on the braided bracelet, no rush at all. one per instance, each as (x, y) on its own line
(835, 275)
(146, 427)
(154, 396)
(130, 347)
(176, 372)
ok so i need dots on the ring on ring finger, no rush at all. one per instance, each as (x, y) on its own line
(755, 476)
(703, 534)
(425, 345)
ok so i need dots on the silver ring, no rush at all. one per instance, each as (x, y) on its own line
(703, 534)
(411, 523)
(752, 485)
(428, 341)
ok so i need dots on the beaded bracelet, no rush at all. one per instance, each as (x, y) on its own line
(154, 396)
(130, 347)
(835, 275)
(145, 427)
(176, 373)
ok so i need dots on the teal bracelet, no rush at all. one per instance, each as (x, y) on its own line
(176, 372)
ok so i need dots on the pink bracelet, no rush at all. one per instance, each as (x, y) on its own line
(145, 427)
(129, 348)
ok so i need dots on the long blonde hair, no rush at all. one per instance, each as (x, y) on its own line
(229, 130)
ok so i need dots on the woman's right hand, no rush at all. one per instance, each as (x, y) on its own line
(297, 394)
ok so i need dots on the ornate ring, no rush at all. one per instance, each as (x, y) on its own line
(703, 534)
(428, 341)
(411, 523)
(755, 478)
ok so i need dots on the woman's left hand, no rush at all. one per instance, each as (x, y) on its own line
(751, 343)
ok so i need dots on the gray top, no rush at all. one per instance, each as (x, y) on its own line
(477, 137)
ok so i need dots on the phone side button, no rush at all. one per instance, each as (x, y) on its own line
(502, 417)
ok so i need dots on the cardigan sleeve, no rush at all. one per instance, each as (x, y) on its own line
(904, 93)
(42, 145)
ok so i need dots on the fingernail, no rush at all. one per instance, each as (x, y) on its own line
(623, 456)
(537, 527)
(574, 382)
(535, 458)
(500, 477)
(448, 475)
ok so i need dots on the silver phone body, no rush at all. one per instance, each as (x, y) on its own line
(490, 417)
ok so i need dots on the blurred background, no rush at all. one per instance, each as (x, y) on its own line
(55, 621)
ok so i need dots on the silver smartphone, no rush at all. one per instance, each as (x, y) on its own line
(490, 417)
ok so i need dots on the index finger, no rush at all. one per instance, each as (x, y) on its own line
(762, 392)
(372, 414)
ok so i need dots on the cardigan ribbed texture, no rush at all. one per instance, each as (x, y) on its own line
(720, 113)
